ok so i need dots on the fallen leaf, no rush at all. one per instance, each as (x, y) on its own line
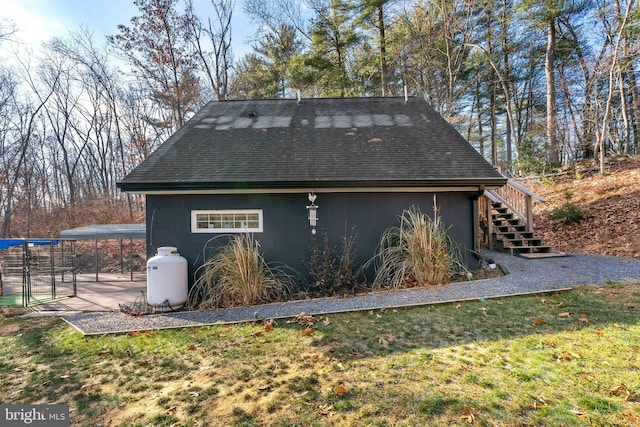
(89, 386)
(45, 384)
(191, 347)
(568, 355)
(307, 331)
(171, 410)
(340, 390)
(468, 415)
(304, 319)
(619, 389)
(584, 320)
(458, 305)
(316, 356)
(268, 328)
(326, 321)
(324, 409)
(385, 340)
(589, 377)
(538, 322)
(103, 352)
(143, 362)
(133, 334)
(269, 322)
(565, 314)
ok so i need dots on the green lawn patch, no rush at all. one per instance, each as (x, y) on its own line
(569, 358)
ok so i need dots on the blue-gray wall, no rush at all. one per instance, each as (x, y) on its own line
(287, 235)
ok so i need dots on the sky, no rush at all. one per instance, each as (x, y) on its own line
(40, 20)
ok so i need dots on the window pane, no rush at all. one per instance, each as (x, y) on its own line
(227, 221)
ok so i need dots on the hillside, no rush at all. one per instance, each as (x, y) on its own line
(610, 202)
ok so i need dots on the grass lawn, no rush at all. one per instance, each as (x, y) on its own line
(568, 359)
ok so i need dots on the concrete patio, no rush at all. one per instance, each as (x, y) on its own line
(106, 294)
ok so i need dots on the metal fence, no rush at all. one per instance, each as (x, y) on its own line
(34, 271)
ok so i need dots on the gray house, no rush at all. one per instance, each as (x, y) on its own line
(255, 166)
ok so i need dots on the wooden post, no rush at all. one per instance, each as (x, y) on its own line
(529, 209)
(489, 226)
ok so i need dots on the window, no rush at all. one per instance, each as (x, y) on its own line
(227, 221)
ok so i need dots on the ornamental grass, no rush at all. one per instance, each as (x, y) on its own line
(419, 252)
(238, 275)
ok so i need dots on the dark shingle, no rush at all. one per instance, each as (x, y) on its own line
(314, 142)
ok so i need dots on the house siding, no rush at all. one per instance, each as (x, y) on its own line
(287, 236)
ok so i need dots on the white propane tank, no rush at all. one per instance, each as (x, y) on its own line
(167, 278)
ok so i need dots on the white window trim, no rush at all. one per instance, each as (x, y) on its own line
(194, 223)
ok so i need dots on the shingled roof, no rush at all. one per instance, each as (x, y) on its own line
(314, 144)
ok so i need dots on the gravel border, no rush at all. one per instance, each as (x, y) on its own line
(526, 276)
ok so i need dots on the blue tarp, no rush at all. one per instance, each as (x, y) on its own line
(7, 243)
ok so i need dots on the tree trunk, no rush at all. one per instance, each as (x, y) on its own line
(383, 51)
(552, 113)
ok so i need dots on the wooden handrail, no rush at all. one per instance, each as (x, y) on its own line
(518, 199)
(525, 190)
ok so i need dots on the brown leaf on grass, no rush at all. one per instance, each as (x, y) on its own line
(103, 352)
(567, 356)
(340, 390)
(385, 340)
(589, 377)
(307, 331)
(89, 386)
(133, 334)
(635, 419)
(171, 410)
(324, 409)
(315, 356)
(269, 322)
(268, 328)
(143, 362)
(304, 319)
(468, 415)
(619, 389)
(191, 347)
(564, 314)
(538, 322)
(458, 305)
(540, 402)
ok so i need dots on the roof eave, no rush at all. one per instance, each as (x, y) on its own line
(150, 187)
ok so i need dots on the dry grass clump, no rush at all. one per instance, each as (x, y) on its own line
(418, 252)
(238, 275)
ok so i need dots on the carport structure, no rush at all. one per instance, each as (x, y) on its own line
(97, 232)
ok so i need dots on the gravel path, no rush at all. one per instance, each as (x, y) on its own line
(525, 276)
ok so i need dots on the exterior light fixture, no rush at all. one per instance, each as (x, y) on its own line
(313, 214)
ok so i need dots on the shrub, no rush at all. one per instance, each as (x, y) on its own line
(237, 275)
(331, 271)
(569, 211)
(418, 252)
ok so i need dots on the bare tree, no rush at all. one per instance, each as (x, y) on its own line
(217, 65)
(157, 46)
